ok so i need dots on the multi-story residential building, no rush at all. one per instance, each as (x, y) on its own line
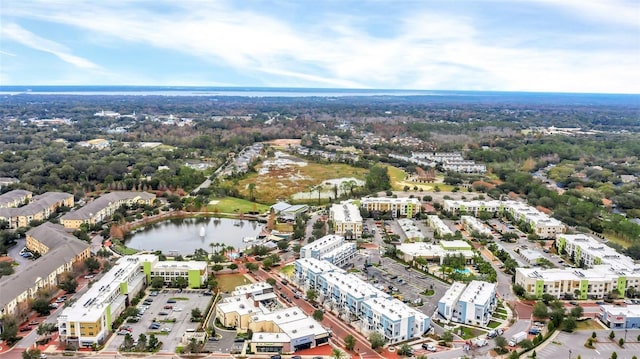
(5, 181)
(448, 304)
(464, 167)
(245, 301)
(286, 331)
(341, 255)
(539, 223)
(617, 317)
(473, 305)
(319, 247)
(15, 198)
(439, 227)
(348, 294)
(308, 270)
(61, 254)
(593, 283)
(194, 272)
(39, 208)
(392, 318)
(104, 207)
(49, 236)
(346, 220)
(587, 252)
(473, 225)
(436, 252)
(397, 207)
(89, 320)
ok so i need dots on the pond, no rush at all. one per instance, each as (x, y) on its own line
(184, 235)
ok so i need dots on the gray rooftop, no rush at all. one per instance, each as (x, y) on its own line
(13, 285)
(95, 206)
(12, 196)
(52, 235)
(38, 204)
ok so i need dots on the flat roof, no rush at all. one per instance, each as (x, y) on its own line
(394, 309)
(478, 292)
(323, 243)
(315, 265)
(629, 310)
(345, 212)
(352, 285)
(238, 304)
(257, 287)
(452, 294)
(280, 316)
(302, 328)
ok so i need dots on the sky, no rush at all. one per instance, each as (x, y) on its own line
(586, 46)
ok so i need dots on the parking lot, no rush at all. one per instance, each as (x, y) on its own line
(166, 306)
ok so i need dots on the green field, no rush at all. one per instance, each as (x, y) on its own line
(235, 205)
(229, 282)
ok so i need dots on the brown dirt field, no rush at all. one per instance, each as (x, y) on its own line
(285, 142)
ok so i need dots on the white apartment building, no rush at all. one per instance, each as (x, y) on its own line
(346, 220)
(469, 304)
(346, 292)
(439, 227)
(587, 252)
(395, 320)
(397, 207)
(245, 301)
(341, 255)
(308, 270)
(321, 246)
(472, 224)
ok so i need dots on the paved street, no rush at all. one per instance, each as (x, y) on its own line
(570, 345)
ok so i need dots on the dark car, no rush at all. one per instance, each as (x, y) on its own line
(296, 357)
(171, 301)
(296, 296)
(277, 356)
(28, 328)
(239, 340)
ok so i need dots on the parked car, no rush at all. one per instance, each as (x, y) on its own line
(171, 301)
(163, 313)
(28, 328)
(429, 347)
(33, 322)
(277, 356)
(168, 307)
(153, 293)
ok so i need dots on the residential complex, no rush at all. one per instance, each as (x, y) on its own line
(332, 248)
(245, 301)
(397, 207)
(450, 161)
(60, 252)
(90, 318)
(539, 223)
(410, 229)
(438, 226)
(39, 208)
(587, 252)
(436, 252)
(104, 207)
(356, 299)
(346, 220)
(473, 225)
(469, 304)
(15, 198)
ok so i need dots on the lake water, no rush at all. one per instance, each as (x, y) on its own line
(183, 235)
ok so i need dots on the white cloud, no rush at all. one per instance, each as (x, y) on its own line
(29, 39)
(426, 49)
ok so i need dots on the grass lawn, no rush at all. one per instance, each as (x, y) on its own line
(617, 240)
(236, 205)
(396, 175)
(284, 227)
(493, 324)
(499, 315)
(229, 282)
(588, 324)
(120, 248)
(288, 270)
(468, 333)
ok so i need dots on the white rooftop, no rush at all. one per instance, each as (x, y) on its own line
(258, 287)
(315, 265)
(302, 328)
(629, 310)
(323, 243)
(352, 285)
(280, 316)
(394, 309)
(452, 294)
(478, 292)
(346, 212)
(596, 249)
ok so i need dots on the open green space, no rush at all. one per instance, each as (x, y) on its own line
(493, 324)
(235, 205)
(288, 270)
(229, 282)
(119, 248)
(469, 332)
(588, 324)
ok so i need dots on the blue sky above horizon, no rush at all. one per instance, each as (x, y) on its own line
(545, 45)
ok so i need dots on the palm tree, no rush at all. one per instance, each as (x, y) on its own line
(212, 245)
(337, 354)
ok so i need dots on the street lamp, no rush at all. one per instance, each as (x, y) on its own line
(569, 353)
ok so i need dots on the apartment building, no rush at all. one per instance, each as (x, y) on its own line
(474, 225)
(321, 246)
(341, 255)
(586, 251)
(436, 252)
(346, 220)
(39, 208)
(447, 305)
(308, 270)
(104, 207)
(194, 272)
(89, 320)
(438, 226)
(6, 181)
(592, 283)
(397, 207)
(49, 236)
(346, 292)
(43, 273)
(469, 304)
(410, 229)
(15, 198)
(541, 224)
(396, 321)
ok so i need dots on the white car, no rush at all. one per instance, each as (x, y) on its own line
(177, 309)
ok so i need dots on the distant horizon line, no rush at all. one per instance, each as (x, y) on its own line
(26, 88)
